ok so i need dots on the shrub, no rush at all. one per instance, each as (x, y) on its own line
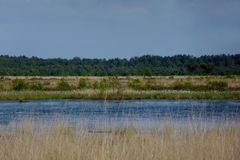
(94, 85)
(114, 83)
(63, 85)
(82, 83)
(217, 85)
(47, 83)
(149, 86)
(229, 76)
(19, 85)
(136, 84)
(183, 86)
(36, 86)
(104, 84)
(1, 87)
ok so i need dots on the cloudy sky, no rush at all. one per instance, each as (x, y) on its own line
(118, 28)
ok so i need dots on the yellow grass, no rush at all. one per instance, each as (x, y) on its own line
(169, 143)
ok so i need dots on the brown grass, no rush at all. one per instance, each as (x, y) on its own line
(168, 143)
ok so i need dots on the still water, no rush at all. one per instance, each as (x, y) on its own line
(143, 114)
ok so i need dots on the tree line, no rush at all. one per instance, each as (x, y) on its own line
(147, 65)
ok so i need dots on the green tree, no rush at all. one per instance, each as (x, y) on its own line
(207, 68)
(191, 68)
(147, 72)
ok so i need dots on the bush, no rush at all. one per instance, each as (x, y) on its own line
(19, 85)
(82, 83)
(114, 83)
(149, 86)
(183, 86)
(104, 84)
(1, 87)
(94, 85)
(47, 83)
(136, 84)
(217, 85)
(36, 86)
(63, 85)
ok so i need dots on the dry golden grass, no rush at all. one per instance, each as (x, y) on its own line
(168, 143)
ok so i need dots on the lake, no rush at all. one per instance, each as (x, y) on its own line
(142, 114)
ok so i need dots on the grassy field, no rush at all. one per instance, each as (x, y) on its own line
(168, 143)
(169, 87)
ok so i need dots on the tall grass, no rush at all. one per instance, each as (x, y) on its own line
(109, 94)
(1, 87)
(64, 143)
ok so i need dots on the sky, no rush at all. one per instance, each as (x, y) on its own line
(118, 28)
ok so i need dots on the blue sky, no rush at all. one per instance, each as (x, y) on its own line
(118, 28)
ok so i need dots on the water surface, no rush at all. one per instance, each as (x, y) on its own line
(142, 114)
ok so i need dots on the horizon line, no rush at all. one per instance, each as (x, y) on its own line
(152, 55)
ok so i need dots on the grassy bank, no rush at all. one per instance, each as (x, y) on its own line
(160, 87)
(168, 143)
(128, 94)
(192, 83)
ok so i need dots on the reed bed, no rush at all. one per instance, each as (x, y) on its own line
(61, 142)
(125, 94)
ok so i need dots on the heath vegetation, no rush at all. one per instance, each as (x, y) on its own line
(62, 142)
(197, 87)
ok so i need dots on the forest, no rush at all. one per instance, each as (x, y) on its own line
(147, 65)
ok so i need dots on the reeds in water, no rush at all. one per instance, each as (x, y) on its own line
(62, 142)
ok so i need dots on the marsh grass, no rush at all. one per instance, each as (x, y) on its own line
(61, 142)
(118, 95)
(1, 87)
(173, 87)
(194, 83)
(63, 85)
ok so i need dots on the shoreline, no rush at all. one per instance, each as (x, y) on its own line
(125, 95)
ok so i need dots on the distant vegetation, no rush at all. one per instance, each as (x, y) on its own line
(145, 66)
(114, 87)
(117, 84)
